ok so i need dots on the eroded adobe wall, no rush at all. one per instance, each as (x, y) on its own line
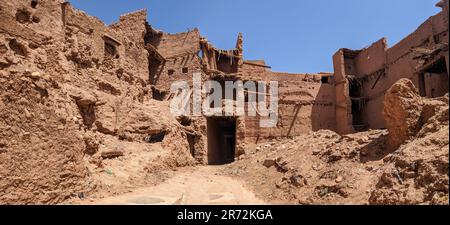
(181, 53)
(343, 111)
(378, 67)
(180, 61)
(305, 103)
(73, 91)
(133, 28)
(36, 164)
(370, 66)
(125, 73)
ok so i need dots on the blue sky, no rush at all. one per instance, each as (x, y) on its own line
(291, 35)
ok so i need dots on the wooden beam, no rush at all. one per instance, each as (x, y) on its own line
(256, 64)
(297, 110)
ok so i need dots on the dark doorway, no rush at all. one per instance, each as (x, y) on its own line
(358, 105)
(221, 140)
(433, 80)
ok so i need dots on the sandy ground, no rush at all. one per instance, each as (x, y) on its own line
(202, 185)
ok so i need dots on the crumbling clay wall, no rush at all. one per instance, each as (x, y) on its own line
(306, 103)
(180, 52)
(376, 68)
(133, 27)
(41, 149)
(76, 95)
(343, 111)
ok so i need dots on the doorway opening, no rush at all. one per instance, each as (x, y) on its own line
(358, 106)
(221, 133)
(433, 80)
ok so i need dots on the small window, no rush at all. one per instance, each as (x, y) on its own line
(34, 3)
(171, 72)
(35, 19)
(23, 16)
(111, 47)
(110, 50)
(324, 80)
(185, 70)
(159, 137)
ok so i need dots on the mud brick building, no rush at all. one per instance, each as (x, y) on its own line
(70, 77)
(363, 76)
(349, 99)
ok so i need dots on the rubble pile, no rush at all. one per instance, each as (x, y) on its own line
(363, 168)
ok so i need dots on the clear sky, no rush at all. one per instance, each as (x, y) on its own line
(291, 35)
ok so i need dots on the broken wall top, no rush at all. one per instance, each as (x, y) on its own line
(378, 55)
(172, 45)
(37, 24)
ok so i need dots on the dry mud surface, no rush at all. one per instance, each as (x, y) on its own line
(202, 185)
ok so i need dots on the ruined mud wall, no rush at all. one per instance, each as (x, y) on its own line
(378, 67)
(181, 58)
(133, 27)
(305, 103)
(74, 92)
(343, 102)
(37, 163)
(180, 53)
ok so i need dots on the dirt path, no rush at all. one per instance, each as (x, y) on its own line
(202, 185)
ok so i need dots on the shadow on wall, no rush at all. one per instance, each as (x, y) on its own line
(323, 115)
(155, 68)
